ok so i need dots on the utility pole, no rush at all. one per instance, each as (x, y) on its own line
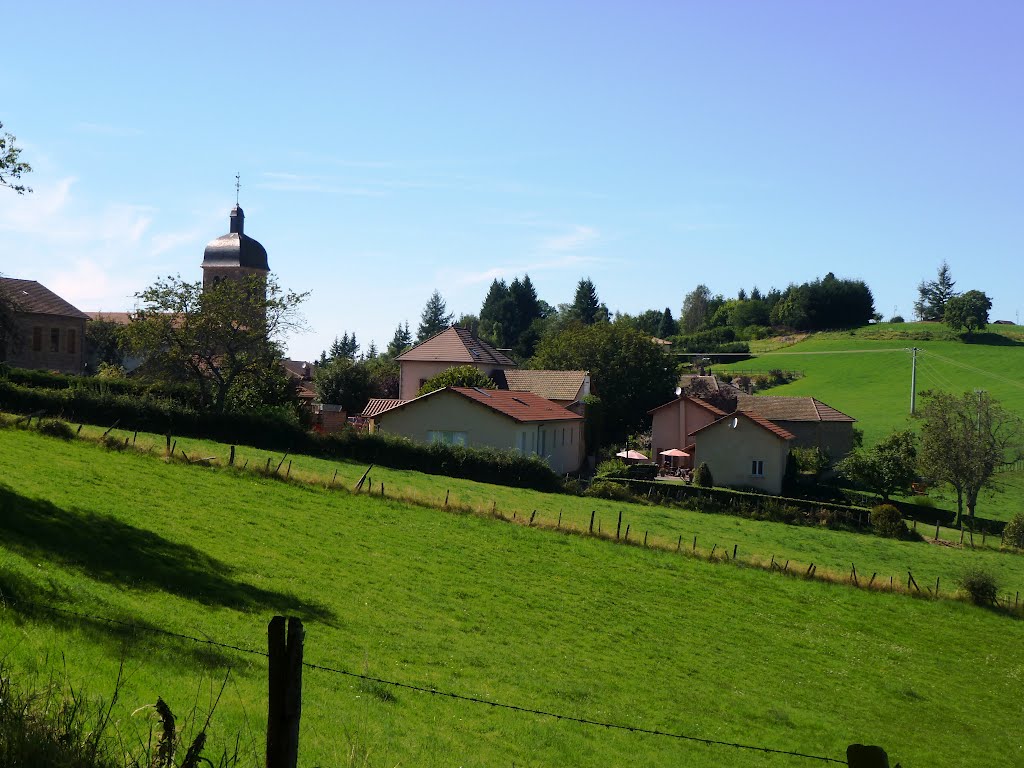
(913, 379)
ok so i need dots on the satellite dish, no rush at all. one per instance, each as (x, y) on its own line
(679, 391)
(735, 422)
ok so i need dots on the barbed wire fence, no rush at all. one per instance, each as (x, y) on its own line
(286, 638)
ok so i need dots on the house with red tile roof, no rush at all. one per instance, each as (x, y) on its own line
(562, 387)
(495, 418)
(673, 422)
(50, 331)
(744, 450)
(812, 423)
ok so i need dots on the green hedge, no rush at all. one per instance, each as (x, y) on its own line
(277, 431)
(50, 380)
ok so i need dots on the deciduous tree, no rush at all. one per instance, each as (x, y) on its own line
(969, 311)
(886, 468)
(344, 382)
(630, 373)
(11, 167)
(964, 439)
(214, 338)
(458, 376)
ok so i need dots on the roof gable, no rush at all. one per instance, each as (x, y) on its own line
(775, 429)
(456, 345)
(687, 399)
(32, 297)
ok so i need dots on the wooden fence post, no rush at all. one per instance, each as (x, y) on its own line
(860, 756)
(618, 528)
(285, 691)
(231, 457)
(592, 520)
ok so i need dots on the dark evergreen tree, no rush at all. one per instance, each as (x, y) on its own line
(495, 312)
(434, 319)
(401, 341)
(932, 295)
(668, 326)
(585, 305)
(346, 347)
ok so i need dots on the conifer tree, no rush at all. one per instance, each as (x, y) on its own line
(585, 305)
(434, 319)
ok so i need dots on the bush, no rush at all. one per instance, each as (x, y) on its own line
(56, 428)
(887, 521)
(980, 586)
(702, 477)
(612, 468)
(606, 489)
(642, 471)
(1013, 534)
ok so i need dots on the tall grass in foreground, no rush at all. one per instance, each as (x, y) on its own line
(55, 726)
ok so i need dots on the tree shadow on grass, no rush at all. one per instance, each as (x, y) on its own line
(112, 551)
(23, 600)
(990, 339)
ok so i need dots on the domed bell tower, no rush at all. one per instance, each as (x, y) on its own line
(234, 256)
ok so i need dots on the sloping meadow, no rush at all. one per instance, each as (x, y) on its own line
(471, 605)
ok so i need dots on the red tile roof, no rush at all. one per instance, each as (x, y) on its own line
(695, 400)
(762, 422)
(35, 298)
(519, 406)
(780, 408)
(456, 345)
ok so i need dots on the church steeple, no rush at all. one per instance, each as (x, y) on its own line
(237, 220)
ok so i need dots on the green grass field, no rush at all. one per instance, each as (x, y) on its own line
(473, 605)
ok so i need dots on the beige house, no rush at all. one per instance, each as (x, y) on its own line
(744, 450)
(51, 332)
(674, 422)
(451, 347)
(519, 421)
(812, 423)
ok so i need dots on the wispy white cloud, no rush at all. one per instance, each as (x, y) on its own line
(579, 237)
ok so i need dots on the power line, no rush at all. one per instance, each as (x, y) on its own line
(975, 369)
(5, 601)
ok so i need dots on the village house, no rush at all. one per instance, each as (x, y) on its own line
(495, 418)
(674, 422)
(50, 331)
(744, 450)
(451, 347)
(812, 423)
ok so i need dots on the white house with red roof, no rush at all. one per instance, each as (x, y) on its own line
(495, 418)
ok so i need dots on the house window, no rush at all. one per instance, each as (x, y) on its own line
(55, 339)
(757, 468)
(71, 341)
(37, 339)
(446, 437)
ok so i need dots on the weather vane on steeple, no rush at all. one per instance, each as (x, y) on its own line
(238, 185)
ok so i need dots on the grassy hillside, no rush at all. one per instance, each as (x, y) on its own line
(476, 606)
(866, 372)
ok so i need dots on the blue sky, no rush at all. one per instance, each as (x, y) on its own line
(388, 149)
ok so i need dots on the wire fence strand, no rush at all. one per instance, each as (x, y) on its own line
(6, 602)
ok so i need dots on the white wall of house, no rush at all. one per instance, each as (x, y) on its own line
(747, 456)
(449, 417)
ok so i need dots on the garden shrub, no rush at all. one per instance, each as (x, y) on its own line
(56, 428)
(887, 521)
(642, 471)
(1013, 533)
(606, 489)
(702, 477)
(980, 586)
(612, 468)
